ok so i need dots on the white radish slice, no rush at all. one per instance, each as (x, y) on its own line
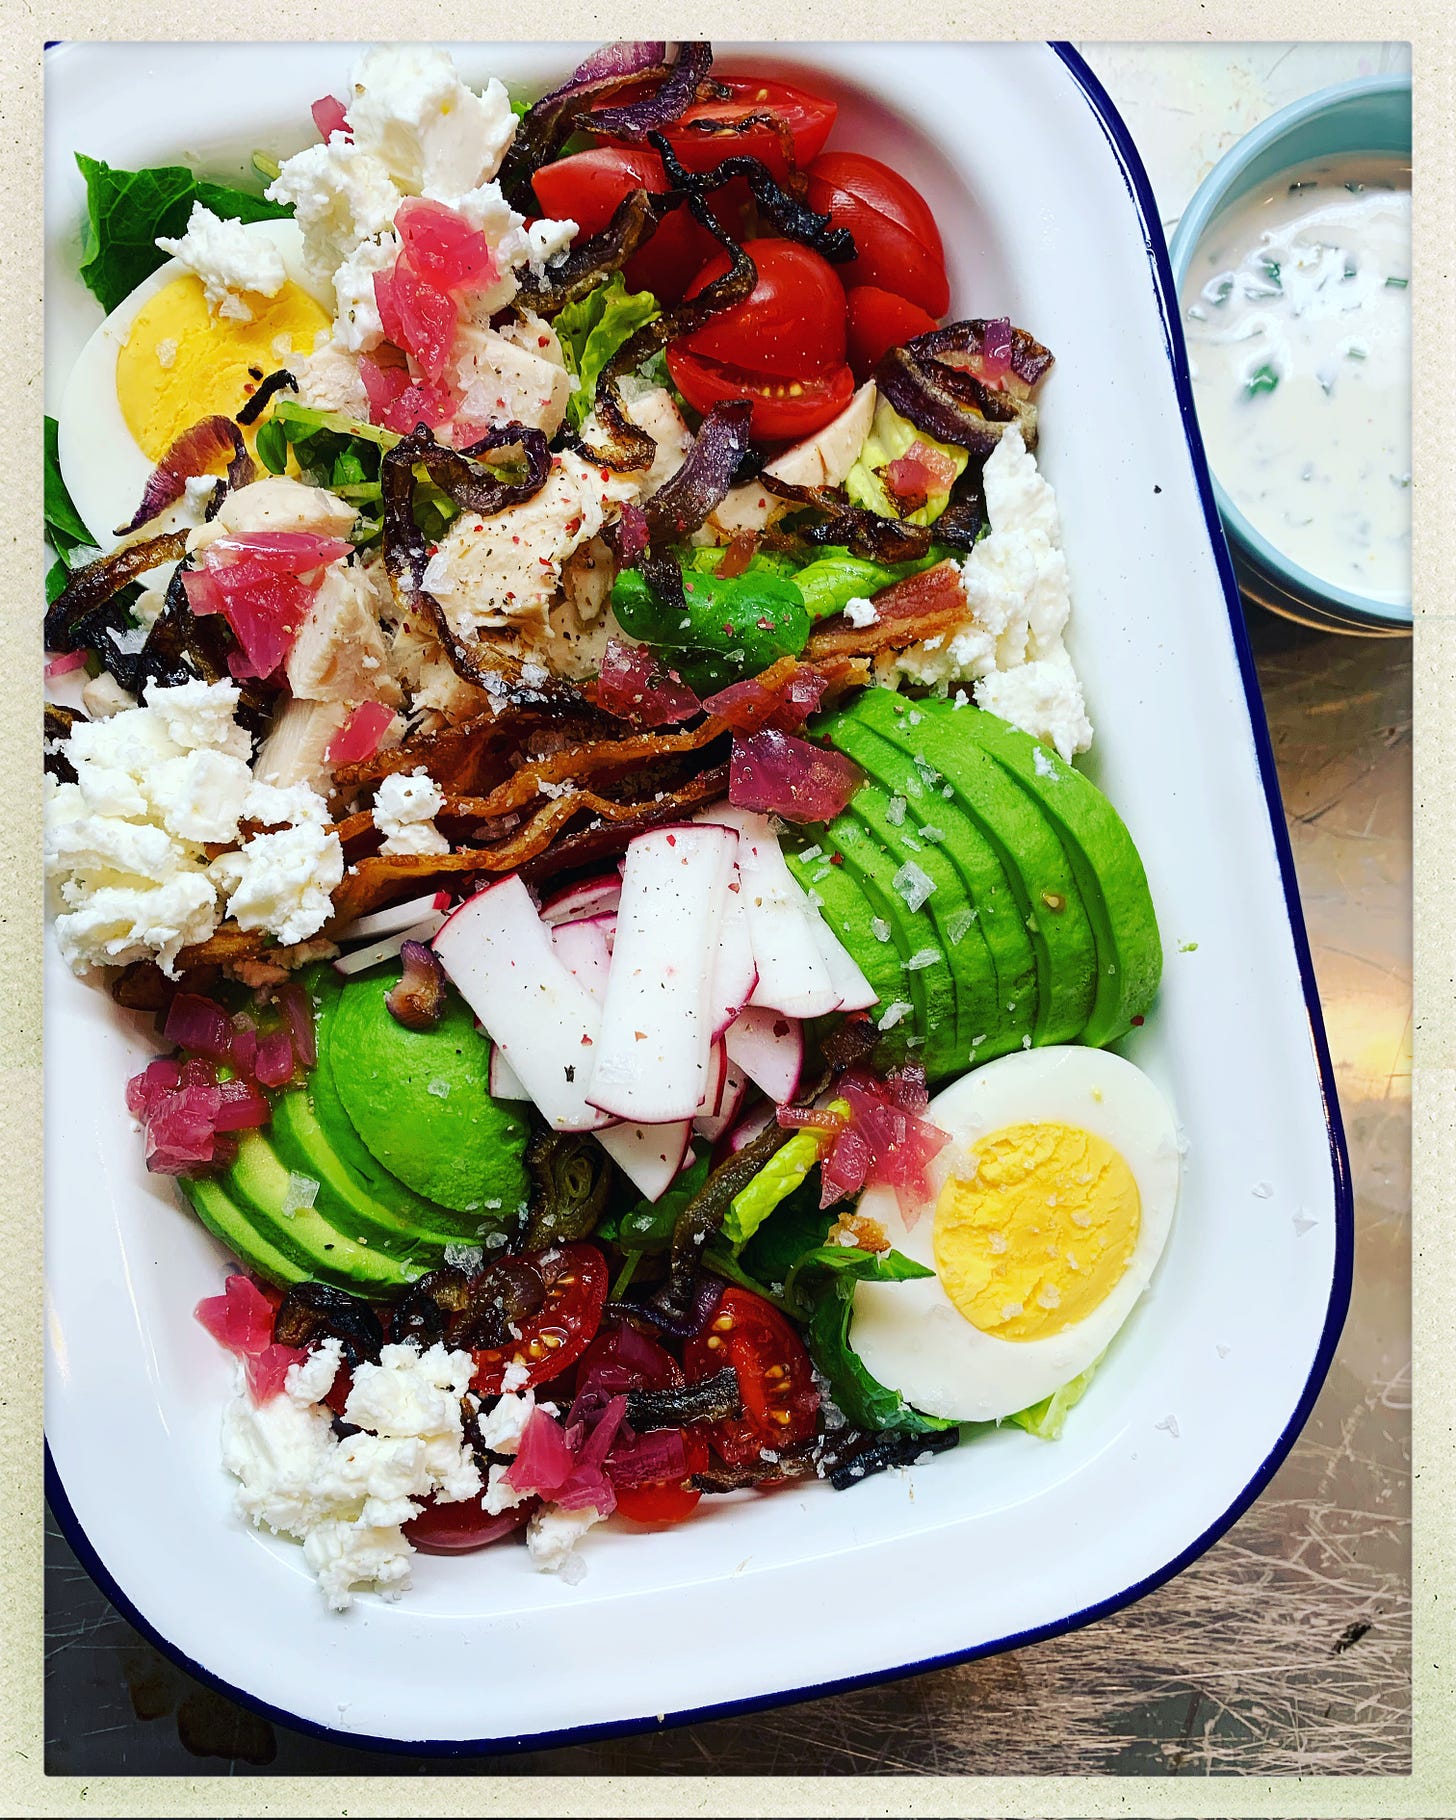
(651, 1064)
(650, 1156)
(394, 919)
(502, 1081)
(855, 991)
(360, 960)
(712, 1125)
(499, 955)
(792, 974)
(717, 1077)
(576, 902)
(585, 949)
(769, 1047)
(735, 973)
(757, 1122)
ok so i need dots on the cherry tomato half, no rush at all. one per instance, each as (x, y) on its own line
(454, 1529)
(782, 348)
(788, 125)
(621, 1359)
(667, 1502)
(899, 247)
(775, 1379)
(878, 321)
(561, 1329)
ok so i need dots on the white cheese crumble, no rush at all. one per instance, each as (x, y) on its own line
(1011, 646)
(404, 811)
(230, 261)
(552, 1535)
(346, 1500)
(861, 611)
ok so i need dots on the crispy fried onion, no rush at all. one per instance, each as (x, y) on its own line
(280, 381)
(701, 484)
(922, 606)
(376, 878)
(626, 448)
(639, 117)
(634, 220)
(866, 533)
(71, 616)
(188, 458)
(943, 383)
(547, 125)
(577, 762)
(789, 213)
(489, 660)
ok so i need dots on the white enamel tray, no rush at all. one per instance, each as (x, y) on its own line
(1047, 217)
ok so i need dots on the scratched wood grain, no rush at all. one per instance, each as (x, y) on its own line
(1285, 1650)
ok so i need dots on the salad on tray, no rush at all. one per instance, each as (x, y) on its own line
(560, 725)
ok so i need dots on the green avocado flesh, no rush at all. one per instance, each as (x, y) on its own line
(1039, 902)
(418, 1101)
(366, 1228)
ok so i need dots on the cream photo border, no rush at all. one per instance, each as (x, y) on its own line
(1431, 1789)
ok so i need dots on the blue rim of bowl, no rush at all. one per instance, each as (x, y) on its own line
(1277, 568)
(1140, 192)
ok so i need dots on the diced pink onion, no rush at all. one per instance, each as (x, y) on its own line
(360, 735)
(442, 247)
(780, 775)
(656, 1458)
(241, 1318)
(274, 1063)
(64, 664)
(199, 1024)
(242, 1108)
(330, 117)
(996, 350)
(543, 1461)
(887, 1143)
(145, 1089)
(918, 473)
(418, 316)
(243, 1050)
(634, 686)
(293, 1001)
(397, 401)
(748, 705)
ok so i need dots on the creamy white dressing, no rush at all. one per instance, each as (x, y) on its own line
(1297, 312)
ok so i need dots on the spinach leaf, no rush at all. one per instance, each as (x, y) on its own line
(272, 446)
(127, 210)
(648, 1226)
(799, 1224)
(592, 330)
(729, 629)
(849, 1264)
(868, 1403)
(63, 527)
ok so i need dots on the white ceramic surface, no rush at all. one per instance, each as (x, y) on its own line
(1008, 1537)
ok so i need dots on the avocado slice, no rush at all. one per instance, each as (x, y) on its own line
(998, 926)
(258, 1180)
(847, 911)
(1036, 862)
(419, 1101)
(239, 1229)
(973, 987)
(1108, 869)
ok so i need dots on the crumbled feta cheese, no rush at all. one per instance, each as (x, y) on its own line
(229, 260)
(329, 378)
(347, 1499)
(312, 1378)
(547, 242)
(861, 611)
(515, 1374)
(413, 115)
(341, 195)
(281, 881)
(552, 1536)
(500, 1496)
(404, 810)
(1019, 602)
(501, 1430)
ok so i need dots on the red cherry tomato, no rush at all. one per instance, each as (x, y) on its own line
(453, 1529)
(667, 1502)
(775, 1379)
(878, 321)
(561, 1329)
(789, 126)
(898, 245)
(782, 348)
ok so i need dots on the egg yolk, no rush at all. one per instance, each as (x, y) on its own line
(181, 363)
(1040, 1234)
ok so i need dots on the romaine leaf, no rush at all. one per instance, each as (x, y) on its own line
(851, 1264)
(775, 1182)
(592, 330)
(127, 210)
(799, 1224)
(1046, 1418)
(867, 1402)
(890, 437)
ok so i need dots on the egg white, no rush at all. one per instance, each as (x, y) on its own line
(911, 1336)
(104, 469)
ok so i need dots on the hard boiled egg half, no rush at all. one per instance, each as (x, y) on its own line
(160, 362)
(1051, 1207)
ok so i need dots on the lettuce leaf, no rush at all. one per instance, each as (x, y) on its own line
(127, 210)
(64, 531)
(890, 437)
(868, 1403)
(592, 330)
(1046, 1419)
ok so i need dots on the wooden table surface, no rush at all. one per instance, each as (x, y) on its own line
(1286, 1648)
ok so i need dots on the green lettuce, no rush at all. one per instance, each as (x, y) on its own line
(64, 530)
(593, 329)
(127, 210)
(868, 1403)
(1045, 1419)
(890, 437)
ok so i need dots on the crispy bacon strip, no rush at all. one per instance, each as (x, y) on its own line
(582, 761)
(921, 606)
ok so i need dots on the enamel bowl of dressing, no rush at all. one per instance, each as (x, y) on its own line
(1293, 263)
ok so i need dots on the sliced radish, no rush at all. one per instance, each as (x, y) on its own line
(735, 973)
(717, 1076)
(855, 991)
(754, 1125)
(651, 1064)
(712, 1125)
(769, 1048)
(359, 960)
(650, 1156)
(577, 902)
(395, 918)
(502, 1081)
(792, 974)
(499, 954)
(585, 949)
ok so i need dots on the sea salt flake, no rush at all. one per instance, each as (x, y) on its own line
(301, 1192)
(957, 927)
(879, 928)
(914, 885)
(440, 1088)
(924, 957)
(931, 833)
(1169, 1425)
(1302, 1224)
(1262, 1190)
(893, 1014)
(895, 811)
